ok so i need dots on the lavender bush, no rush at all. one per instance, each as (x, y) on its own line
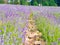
(14, 20)
(49, 26)
(13, 23)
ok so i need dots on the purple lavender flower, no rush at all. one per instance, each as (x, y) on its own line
(58, 39)
(54, 43)
(0, 31)
(24, 29)
(2, 41)
(4, 28)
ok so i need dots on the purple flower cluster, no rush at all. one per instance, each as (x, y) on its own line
(18, 15)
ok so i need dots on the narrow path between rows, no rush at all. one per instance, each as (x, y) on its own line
(33, 36)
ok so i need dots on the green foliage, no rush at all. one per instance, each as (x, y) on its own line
(50, 32)
(9, 31)
(46, 3)
(49, 3)
(57, 15)
(23, 2)
(31, 15)
(1, 1)
(9, 27)
(2, 30)
(16, 2)
(52, 3)
(11, 2)
(33, 2)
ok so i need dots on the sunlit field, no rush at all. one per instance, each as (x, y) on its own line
(29, 25)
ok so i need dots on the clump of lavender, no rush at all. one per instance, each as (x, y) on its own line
(12, 31)
(50, 31)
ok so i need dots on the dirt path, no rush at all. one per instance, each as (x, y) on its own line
(33, 36)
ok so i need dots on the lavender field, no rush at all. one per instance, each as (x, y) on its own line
(15, 25)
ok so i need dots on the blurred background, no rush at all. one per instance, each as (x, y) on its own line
(32, 2)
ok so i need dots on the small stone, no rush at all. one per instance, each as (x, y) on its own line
(37, 42)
